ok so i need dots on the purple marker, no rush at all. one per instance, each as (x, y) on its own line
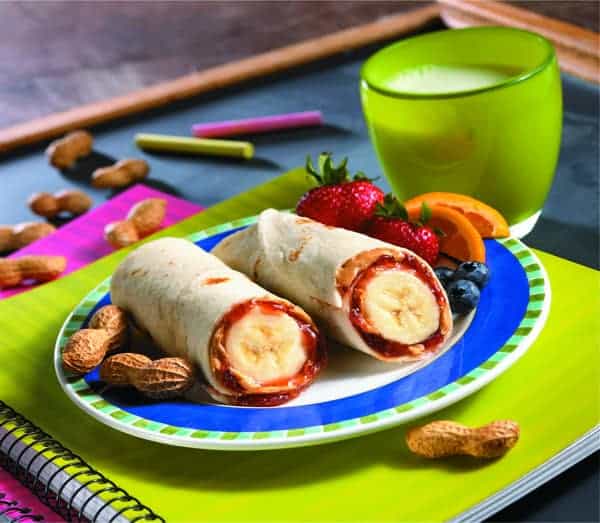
(262, 124)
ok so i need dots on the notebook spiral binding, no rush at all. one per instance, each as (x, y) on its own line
(18, 428)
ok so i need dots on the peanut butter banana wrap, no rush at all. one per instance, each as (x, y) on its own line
(253, 347)
(373, 296)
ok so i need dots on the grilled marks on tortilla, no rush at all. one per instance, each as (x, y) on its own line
(324, 305)
(214, 281)
(255, 268)
(294, 254)
(301, 220)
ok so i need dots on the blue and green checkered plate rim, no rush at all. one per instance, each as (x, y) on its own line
(78, 389)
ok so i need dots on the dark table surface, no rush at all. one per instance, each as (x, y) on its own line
(569, 222)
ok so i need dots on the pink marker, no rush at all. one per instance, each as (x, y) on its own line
(262, 124)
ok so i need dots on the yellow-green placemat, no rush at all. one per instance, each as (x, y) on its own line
(552, 392)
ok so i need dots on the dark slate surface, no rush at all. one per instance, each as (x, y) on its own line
(568, 227)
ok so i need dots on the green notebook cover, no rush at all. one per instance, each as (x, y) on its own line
(552, 392)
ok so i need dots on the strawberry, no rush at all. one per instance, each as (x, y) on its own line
(391, 225)
(338, 200)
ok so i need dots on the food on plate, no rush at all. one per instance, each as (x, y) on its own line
(444, 274)
(463, 295)
(463, 285)
(14, 271)
(458, 236)
(107, 331)
(69, 201)
(143, 219)
(121, 174)
(430, 224)
(390, 224)
(477, 272)
(487, 220)
(64, 152)
(338, 200)
(161, 379)
(17, 236)
(253, 347)
(373, 296)
(440, 439)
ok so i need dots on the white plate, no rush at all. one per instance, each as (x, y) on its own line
(356, 394)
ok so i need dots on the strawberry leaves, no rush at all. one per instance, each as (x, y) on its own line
(363, 177)
(330, 174)
(391, 208)
(425, 214)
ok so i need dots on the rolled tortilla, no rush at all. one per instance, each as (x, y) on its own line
(375, 297)
(253, 347)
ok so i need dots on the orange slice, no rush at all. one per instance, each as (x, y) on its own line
(460, 238)
(487, 220)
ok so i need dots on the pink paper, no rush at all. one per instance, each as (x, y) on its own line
(81, 240)
(14, 491)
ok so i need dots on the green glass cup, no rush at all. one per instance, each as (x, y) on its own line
(475, 111)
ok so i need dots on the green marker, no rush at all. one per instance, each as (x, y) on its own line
(184, 144)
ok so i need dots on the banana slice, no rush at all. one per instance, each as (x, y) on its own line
(265, 347)
(401, 307)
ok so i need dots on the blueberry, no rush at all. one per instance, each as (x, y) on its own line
(477, 272)
(463, 296)
(444, 274)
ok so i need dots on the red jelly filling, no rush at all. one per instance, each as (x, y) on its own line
(315, 357)
(388, 348)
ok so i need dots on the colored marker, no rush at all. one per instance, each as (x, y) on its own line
(184, 144)
(261, 124)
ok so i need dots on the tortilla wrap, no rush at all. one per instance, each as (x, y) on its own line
(252, 347)
(370, 295)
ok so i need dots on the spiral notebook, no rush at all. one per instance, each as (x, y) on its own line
(60, 479)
